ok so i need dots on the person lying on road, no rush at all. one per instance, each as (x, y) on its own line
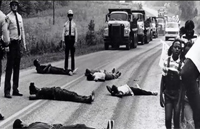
(44, 69)
(101, 75)
(126, 90)
(19, 124)
(57, 93)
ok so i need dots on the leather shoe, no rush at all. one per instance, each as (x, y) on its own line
(1, 117)
(7, 96)
(17, 94)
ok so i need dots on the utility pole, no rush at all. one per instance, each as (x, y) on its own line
(53, 13)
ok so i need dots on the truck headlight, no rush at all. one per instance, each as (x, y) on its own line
(105, 32)
(126, 31)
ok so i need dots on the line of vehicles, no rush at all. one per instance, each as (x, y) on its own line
(132, 27)
(129, 27)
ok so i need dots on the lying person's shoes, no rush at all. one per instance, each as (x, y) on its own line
(155, 93)
(110, 90)
(33, 89)
(36, 63)
(113, 70)
(91, 98)
(17, 94)
(87, 72)
(1, 117)
(119, 74)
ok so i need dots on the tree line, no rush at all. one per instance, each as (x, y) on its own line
(32, 8)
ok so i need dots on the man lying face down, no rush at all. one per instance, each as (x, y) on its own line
(19, 124)
(57, 93)
(126, 90)
(44, 69)
(101, 75)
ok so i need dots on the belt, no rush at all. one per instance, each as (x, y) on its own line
(15, 39)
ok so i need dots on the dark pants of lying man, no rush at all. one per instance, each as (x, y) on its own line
(45, 69)
(57, 93)
(126, 90)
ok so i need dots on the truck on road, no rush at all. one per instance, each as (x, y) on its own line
(120, 29)
(143, 23)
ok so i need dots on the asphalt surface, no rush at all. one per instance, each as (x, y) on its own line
(138, 66)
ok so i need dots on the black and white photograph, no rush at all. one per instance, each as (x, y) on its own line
(99, 64)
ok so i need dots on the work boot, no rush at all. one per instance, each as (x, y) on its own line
(113, 70)
(33, 89)
(8, 96)
(91, 98)
(115, 89)
(110, 90)
(16, 93)
(1, 117)
(87, 72)
(36, 63)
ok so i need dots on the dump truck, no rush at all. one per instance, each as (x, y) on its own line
(120, 29)
(143, 24)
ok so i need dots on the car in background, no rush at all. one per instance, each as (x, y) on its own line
(171, 30)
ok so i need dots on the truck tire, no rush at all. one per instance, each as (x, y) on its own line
(135, 41)
(142, 41)
(151, 36)
(106, 46)
(128, 46)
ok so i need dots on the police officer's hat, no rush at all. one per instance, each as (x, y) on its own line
(14, 1)
(189, 25)
(70, 13)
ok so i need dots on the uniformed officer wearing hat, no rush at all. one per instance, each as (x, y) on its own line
(69, 36)
(17, 44)
(4, 42)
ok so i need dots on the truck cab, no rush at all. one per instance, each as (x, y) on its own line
(154, 26)
(143, 26)
(118, 30)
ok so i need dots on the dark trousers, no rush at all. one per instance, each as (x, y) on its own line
(138, 91)
(66, 95)
(13, 64)
(69, 46)
(189, 75)
(172, 108)
(56, 70)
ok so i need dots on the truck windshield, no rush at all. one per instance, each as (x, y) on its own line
(160, 20)
(172, 25)
(118, 16)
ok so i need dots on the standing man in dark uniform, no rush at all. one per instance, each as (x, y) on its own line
(17, 43)
(69, 36)
(4, 41)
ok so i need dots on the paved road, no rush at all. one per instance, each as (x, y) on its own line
(138, 65)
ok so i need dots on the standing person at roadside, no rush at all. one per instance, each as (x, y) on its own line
(69, 36)
(170, 85)
(17, 44)
(4, 42)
